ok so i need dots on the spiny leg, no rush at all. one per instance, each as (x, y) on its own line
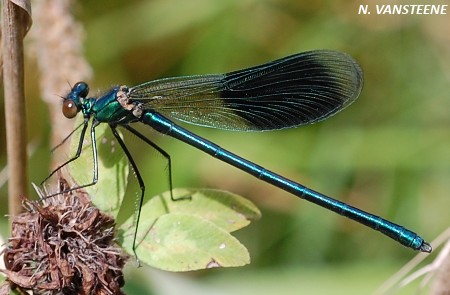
(140, 181)
(66, 138)
(163, 153)
(77, 155)
(138, 175)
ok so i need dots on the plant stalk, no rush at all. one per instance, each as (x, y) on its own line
(15, 118)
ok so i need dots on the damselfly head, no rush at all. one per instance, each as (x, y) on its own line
(72, 103)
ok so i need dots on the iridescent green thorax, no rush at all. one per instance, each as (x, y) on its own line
(108, 109)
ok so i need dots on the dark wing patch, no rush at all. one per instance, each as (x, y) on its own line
(295, 90)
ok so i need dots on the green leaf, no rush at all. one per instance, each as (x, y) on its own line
(182, 242)
(113, 168)
(213, 213)
(227, 210)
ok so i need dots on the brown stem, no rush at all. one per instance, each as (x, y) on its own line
(14, 25)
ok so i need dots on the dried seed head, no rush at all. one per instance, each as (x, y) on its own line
(64, 245)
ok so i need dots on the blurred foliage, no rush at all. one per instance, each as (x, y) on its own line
(387, 153)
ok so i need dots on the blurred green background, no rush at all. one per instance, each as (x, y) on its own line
(388, 153)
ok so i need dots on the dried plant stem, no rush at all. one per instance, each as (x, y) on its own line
(59, 55)
(441, 283)
(13, 77)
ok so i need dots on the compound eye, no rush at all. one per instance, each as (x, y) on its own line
(69, 109)
(81, 88)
